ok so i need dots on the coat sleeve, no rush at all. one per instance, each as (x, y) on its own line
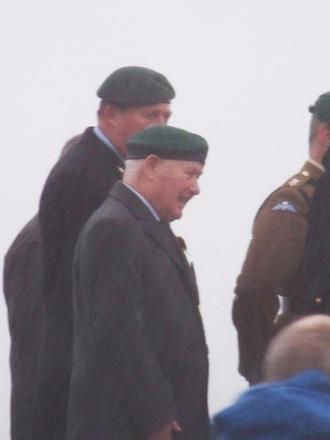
(69, 197)
(272, 259)
(109, 314)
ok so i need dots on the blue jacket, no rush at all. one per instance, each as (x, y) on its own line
(298, 408)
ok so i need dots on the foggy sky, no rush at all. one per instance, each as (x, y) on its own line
(244, 72)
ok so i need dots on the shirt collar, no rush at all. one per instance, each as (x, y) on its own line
(145, 201)
(316, 164)
(99, 133)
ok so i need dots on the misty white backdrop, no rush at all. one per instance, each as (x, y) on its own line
(244, 72)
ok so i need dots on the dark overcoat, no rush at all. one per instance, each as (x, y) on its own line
(75, 188)
(22, 289)
(140, 358)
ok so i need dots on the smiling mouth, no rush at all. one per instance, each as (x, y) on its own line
(183, 200)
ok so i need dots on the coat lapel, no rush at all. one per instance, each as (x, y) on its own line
(164, 236)
(159, 232)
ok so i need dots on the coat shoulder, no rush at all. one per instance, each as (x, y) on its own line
(296, 192)
(111, 220)
(305, 178)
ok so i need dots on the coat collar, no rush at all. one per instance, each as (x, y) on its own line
(92, 141)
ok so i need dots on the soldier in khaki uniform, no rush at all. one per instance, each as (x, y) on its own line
(273, 264)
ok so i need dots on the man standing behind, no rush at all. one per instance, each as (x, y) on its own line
(132, 98)
(274, 261)
(22, 286)
(140, 362)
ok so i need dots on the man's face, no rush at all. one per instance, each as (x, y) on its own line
(177, 183)
(132, 120)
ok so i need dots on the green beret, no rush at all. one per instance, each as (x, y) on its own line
(135, 86)
(168, 143)
(321, 108)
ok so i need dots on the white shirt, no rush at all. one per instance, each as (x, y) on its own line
(99, 133)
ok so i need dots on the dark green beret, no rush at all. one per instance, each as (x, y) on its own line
(135, 86)
(321, 108)
(168, 143)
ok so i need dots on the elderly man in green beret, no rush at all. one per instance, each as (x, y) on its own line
(274, 270)
(140, 364)
(132, 98)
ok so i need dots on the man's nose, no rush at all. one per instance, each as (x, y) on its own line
(195, 187)
(162, 120)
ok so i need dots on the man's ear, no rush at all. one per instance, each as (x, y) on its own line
(151, 166)
(110, 114)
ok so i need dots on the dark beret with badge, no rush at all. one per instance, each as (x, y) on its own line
(321, 108)
(168, 143)
(132, 86)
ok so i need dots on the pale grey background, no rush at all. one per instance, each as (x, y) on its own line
(245, 73)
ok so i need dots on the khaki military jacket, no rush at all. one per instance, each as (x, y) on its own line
(271, 265)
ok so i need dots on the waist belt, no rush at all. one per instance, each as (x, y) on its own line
(298, 306)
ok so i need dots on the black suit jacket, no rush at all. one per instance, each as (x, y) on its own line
(77, 185)
(22, 289)
(140, 358)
